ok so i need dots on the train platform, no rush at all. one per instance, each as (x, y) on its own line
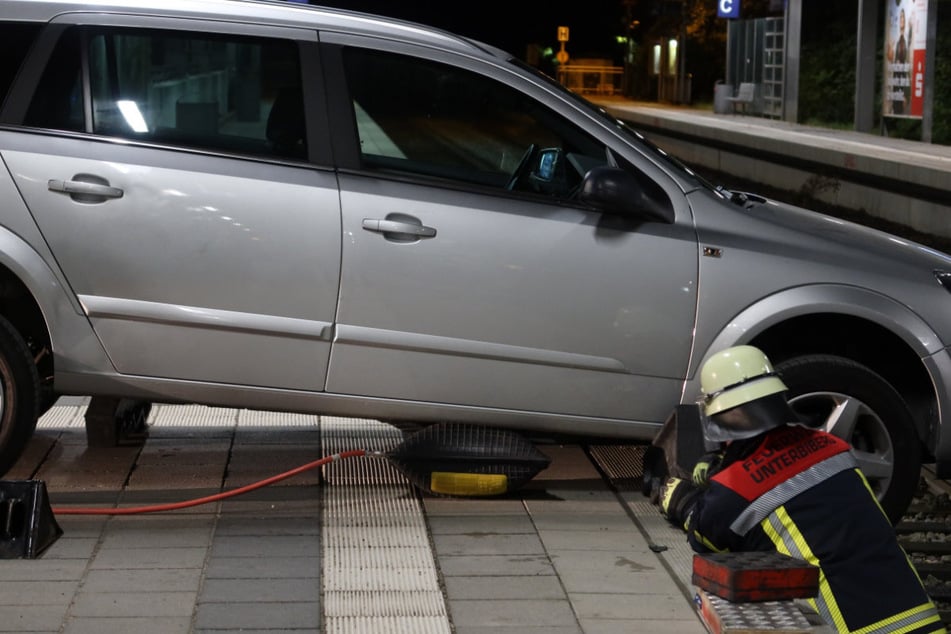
(897, 180)
(351, 547)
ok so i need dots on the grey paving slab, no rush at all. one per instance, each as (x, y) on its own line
(30, 618)
(484, 525)
(268, 525)
(139, 580)
(278, 590)
(494, 565)
(163, 603)
(149, 558)
(597, 538)
(262, 567)
(517, 629)
(504, 587)
(658, 606)
(128, 625)
(488, 544)
(635, 571)
(519, 613)
(25, 570)
(274, 546)
(56, 595)
(71, 548)
(241, 616)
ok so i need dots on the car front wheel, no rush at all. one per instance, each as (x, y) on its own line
(19, 395)
(854, 403)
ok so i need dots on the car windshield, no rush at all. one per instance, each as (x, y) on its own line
(620, 125)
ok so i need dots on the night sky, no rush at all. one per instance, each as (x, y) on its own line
(511, 25)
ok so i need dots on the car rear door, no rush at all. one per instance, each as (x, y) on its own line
(180, 187)
(462, 288)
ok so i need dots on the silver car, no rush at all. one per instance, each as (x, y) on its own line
(275, 206)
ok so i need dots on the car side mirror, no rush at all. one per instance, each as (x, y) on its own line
(617, 191)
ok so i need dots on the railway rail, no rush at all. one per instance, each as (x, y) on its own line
(925, 534)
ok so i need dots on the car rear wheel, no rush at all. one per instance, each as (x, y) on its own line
(856, 404)
(19, 395)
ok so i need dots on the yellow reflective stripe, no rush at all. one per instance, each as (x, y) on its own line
(703, 540)
(872, 493)
(789, 540)
(907, 621)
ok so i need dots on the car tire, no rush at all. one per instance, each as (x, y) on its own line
(19, 395)
(854, 403)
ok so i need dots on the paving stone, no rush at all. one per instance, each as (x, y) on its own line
(157, 535)
(30, 618)
(263, 568)
(651, 626)
(277, 546)
(151, 580)
(268, 526)
(56, 594)
(133, 604)
(500, 587)
(594, 539)
(256, 590)
(611, 606)
(243, 616)
(149, 558)
(25, 570)
(488, 544)
(526, 629)
(489, 525)
(607, 572)
(494, 565)
(531, 613)
(128, 625)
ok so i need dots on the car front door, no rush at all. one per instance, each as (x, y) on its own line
(471, 276)
(173, 175)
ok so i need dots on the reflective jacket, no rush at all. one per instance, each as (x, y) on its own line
(798, 491)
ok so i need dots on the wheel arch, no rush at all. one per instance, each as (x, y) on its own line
(35, 299)
(19, 306)
(848, 336)
(850, 322)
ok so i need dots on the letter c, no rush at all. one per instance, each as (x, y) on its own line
(726, 6)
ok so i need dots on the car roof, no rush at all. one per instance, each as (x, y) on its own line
(272, 12)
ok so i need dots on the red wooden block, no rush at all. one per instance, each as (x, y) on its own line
(755, 576)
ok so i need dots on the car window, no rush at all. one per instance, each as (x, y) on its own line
(235, 94)
(15, 41)
(435, 120)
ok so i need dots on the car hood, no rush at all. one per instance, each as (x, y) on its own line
(763, 247)
(845, 240)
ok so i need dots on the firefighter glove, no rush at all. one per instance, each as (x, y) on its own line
(676, 497)
(701, 471)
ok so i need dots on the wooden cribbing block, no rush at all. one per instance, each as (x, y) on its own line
(755, 576)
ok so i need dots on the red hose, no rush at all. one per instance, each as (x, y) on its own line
(211, 498)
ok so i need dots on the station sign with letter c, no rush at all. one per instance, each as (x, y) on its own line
(728, 8)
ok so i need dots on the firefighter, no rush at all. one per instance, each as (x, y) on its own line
(778, 485)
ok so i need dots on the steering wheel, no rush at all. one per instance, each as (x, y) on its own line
(523, 165)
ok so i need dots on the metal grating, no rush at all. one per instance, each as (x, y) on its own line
(378, 574)
(622, 464)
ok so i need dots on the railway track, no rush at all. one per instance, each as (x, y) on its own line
(925, 534)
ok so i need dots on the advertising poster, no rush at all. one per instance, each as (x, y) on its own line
(903, 88)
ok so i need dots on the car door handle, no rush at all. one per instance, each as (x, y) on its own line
(409, 229)
(82, 189)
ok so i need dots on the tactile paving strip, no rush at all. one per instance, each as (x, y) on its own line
(378, 574)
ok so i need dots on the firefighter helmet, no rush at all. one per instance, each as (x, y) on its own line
(742, 395)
